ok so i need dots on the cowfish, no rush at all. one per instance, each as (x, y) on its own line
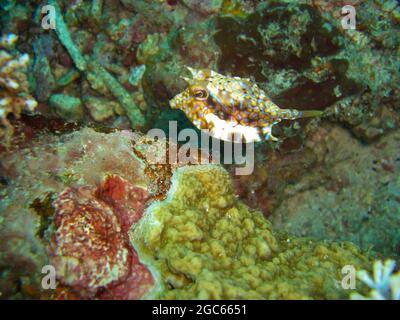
(232, 108)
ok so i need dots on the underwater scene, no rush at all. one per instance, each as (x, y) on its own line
(199, 150)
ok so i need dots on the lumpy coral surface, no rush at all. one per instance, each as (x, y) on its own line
(202, 242)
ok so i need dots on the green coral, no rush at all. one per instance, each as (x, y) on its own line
(94, 71)
(65, 37)
(203, 243)
(67, 107)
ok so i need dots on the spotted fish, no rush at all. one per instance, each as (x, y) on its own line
(232, 108)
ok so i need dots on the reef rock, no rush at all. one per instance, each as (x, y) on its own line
(67, 107)
(349, 192)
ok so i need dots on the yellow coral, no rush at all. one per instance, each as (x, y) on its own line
(14, 92)
(201, 242)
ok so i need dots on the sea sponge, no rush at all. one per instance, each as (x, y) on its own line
(14, 86)
(201, 242)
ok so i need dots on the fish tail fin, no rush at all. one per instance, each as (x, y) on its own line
(292, 114)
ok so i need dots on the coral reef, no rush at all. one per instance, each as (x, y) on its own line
(81, 159)
(101, 182)
(202, 243)
(14, 86)
(81, 187)
(297, 51)
(385, 284)
(82, 211)
(95, 72)
(40, 174)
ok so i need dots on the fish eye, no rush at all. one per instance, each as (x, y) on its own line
(200, 93)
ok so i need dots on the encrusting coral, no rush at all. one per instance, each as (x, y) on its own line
(14, 86)
(55, 168)
(90, 248)
(201, 242)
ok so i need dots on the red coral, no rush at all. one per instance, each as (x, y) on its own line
(91, 249)
(127, 200)
(138, 283)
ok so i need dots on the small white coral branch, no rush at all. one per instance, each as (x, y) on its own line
(14, 87)
(8, 40)
(384, 283)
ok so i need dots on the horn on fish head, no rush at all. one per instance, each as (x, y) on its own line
(200, 74)
(192, 71)
(188, 80)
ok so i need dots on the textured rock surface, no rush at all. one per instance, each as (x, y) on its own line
(351, 194)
